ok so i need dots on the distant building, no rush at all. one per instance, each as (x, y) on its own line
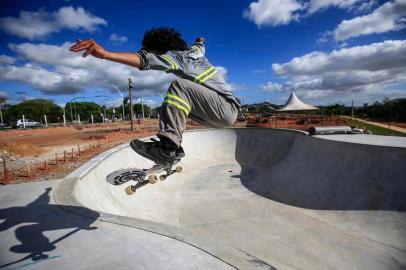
(295, 104)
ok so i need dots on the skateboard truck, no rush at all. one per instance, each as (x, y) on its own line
(153, 177)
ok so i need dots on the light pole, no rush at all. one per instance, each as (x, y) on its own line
(1, 115)
(142, 106)
(122, 97)
(74, 106)
(104, 106)
(71, 115)
(131, 85)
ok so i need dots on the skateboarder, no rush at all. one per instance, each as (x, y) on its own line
(200, 93)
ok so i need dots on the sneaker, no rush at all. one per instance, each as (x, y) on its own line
(157, 151)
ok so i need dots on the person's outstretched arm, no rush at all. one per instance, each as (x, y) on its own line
(91, 47)
(198, 46)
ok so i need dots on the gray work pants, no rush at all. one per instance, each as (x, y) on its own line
(189, 99)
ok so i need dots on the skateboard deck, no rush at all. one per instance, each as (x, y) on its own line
(142, 176)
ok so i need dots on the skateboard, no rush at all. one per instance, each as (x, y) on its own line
(143, 176)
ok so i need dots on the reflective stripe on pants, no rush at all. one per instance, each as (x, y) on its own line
(203, 105)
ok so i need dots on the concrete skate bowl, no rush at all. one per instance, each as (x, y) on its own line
(263, 198)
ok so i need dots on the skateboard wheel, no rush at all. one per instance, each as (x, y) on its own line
(178, 169)
(130, 190)
(162, 177)
(152, 179)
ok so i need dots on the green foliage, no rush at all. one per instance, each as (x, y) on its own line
(3, 100)
(34, 109)
(155, 112)
(387, 110)
(138, 110)
(262, 109)
(335, 109)
(374, 129)
(84, 109)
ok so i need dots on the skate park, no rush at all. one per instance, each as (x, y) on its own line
(246, 199)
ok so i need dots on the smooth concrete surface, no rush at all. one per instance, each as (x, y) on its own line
(247, 199)
(367, 139)
(263, 198)
(36, 233)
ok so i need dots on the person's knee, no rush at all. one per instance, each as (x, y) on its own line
(230, 120)
(176, 86)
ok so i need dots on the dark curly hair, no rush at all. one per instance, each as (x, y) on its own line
(163, 39)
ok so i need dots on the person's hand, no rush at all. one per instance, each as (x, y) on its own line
(90, 47)
(200, 39)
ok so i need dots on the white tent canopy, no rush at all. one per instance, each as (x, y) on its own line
(294, 104)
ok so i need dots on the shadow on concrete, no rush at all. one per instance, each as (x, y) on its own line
(46, 218)
(307, 172)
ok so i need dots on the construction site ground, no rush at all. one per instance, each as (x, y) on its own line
(53, 152)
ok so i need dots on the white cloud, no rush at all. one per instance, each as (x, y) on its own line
(69, 17)
(358, 69)
(237, 86)
(271, 87)
(273, 12)
(23, 96)
(282, 12)
(315, 94)
(38, 24)
(4, 96)
(118, 39)
(373, 57)
(149, 102)
(258, 71)
(70, 73)
(7, 59)
(366, 6)
(388, 17)
(318, 5)
(230, 86)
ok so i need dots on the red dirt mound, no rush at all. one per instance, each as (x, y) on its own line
(95, 137)
(21, 148)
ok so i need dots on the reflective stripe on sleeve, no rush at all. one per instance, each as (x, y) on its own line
(205, 75)
(171, 62)
(209, 75)
(197, 48)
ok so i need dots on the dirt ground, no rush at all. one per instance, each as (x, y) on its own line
(49, 153)
(294, 122)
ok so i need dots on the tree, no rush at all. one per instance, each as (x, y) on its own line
(138, 110)
(84, 109)
(35, 109)
(3, 100)
(155, 112)
(3, 103)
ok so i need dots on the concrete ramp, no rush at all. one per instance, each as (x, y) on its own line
(277, 198)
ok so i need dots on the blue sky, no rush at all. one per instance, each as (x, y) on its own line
(327, 51)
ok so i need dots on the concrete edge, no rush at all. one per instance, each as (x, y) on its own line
(326, 138)
(64, 196)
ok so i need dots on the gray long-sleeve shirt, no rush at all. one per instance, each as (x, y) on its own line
(191, 65)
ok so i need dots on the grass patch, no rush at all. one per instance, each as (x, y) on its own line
(374, 129)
